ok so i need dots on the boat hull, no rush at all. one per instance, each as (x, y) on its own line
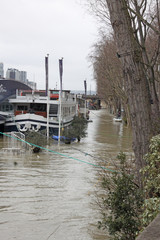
(117, 119)
(33, 122)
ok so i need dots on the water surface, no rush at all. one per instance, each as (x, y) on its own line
(51, 196)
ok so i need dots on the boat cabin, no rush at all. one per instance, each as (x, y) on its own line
(36, 102)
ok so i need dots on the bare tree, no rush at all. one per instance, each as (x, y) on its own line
(108, 75)
(131, 23)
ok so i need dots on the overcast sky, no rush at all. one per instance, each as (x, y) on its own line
(31, 29)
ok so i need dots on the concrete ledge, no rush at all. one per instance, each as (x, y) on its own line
(152, 232)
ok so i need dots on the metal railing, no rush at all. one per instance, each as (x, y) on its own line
(15, 143)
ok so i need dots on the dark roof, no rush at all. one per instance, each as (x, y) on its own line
(9, 87)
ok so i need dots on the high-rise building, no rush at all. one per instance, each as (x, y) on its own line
(23, 76)
(13, 74)
(1, 71)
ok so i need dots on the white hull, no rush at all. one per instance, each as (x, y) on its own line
(33, 122)
(117, 119)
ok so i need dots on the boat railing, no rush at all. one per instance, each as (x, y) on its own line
(15, 141)
(65, 97)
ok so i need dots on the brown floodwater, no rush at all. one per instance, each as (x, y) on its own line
(52, 195)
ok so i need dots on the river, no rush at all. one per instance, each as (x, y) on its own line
(51, 195)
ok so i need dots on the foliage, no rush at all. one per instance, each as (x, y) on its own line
(150, 210)
(126, 209)
(77, 129)
(151, 182)
(122, 205)
(36, 138)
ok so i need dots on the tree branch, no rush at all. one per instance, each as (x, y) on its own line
(145, 21)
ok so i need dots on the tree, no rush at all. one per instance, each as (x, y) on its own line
(108, 75)
(77, 129)
(36, 139)
(139, 86)
(130, 27)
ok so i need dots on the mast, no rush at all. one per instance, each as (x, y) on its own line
(85, 89)
(47, 94)
(60, 97)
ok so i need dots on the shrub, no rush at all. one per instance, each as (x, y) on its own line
(122, 205)
(36, 138)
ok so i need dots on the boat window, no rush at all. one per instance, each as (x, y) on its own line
(22, 108)
(6, 107)
(53, 109)
(39, 107)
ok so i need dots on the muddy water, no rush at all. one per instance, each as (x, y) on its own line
(49, 196)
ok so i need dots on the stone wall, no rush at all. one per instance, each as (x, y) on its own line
(152, 232)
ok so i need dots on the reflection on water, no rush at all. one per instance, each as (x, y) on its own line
(50, 196)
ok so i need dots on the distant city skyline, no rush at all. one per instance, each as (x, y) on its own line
(15, 74)
(20, 75)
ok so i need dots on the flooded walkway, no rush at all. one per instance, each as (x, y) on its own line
(48, 196)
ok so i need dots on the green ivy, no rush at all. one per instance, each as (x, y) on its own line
(151, 181)
(150, 210)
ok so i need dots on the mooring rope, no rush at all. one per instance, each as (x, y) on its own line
(58, 153)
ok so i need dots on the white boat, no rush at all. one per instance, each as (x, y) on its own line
(117, 119)
(30, 111)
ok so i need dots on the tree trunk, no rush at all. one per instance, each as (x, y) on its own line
(136, 82)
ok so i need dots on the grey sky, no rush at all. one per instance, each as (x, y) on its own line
(30, 29)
